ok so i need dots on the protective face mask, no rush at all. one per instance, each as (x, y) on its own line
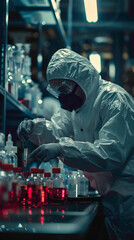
(70, 101)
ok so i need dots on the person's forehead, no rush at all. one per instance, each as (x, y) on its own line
(55, 82)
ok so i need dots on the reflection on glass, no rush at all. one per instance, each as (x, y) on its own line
(42, 212)
(30, 211)
(42, 220)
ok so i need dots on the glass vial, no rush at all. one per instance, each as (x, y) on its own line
(58, 192)
(72, 184)
(34, 189)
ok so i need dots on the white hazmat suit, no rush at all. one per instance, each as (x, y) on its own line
(97, 138)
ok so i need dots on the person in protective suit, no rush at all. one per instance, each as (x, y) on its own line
(93, 131)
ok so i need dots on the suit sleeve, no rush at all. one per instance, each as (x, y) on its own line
(114, 144)
(51, 131)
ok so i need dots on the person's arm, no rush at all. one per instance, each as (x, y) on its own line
(45, 131)
(115, 142)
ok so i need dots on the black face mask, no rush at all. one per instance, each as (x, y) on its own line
(70, 101)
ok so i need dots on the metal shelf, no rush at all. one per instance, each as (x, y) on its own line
(44, 9)
(13, 104)
(2, 91)
(45, 14)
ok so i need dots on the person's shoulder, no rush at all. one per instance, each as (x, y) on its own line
(114, 98)
(111, 90)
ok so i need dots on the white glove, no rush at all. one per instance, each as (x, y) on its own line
(45, 152)
(25, 129)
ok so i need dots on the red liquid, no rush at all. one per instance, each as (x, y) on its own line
(57, 194)
(14, 187)
(25, 102)
(66, 193)
(3, 197)
(34, 195)
(44, 196)
(13, 195)
(23, 195)
(10, 202)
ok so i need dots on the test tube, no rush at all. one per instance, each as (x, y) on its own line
(25, 147)
(25, 153)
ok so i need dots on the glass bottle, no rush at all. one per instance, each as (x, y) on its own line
(58, 192)
(8, 168)
(41, 174)
(28, 82)
(2, 148)
(64, 174)
(17, 70)
(26, 175)
(10, 82)
(3, 189)
(48, 180)
(83, 184)
(15, 185)
(21, 186)
(11, 151)
(72, 184)
(44, 197)
(47, 184)
(34, 189)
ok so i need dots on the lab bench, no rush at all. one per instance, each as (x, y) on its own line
(75, 219)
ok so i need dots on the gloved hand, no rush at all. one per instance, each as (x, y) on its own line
(45, 152)
(25, 129)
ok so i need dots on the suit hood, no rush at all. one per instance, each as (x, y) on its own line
(67, 64)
